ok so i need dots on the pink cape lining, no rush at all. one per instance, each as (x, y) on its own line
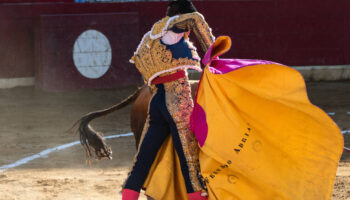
(198, 123)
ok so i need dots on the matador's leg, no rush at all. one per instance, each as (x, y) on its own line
(155, 132)
(180, 105)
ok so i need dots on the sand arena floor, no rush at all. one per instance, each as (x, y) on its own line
(33, 121)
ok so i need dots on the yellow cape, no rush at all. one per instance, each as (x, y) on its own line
(265, 140)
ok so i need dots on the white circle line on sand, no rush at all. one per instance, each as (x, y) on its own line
(46, 152)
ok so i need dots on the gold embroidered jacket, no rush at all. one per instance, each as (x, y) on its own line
(152, 58)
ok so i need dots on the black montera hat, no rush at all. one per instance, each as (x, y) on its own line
(180, 7)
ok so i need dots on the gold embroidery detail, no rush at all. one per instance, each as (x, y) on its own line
(153, 57)
(180, 105)
(196, 23)
(156, 58)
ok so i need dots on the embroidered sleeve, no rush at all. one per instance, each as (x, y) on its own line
(197, 24)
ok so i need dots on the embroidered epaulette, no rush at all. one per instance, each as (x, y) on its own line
(159, 27)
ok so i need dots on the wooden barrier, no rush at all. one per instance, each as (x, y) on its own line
(297, 33)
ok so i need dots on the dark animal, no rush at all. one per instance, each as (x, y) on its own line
(93, 142)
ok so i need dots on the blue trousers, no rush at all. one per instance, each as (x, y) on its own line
(161, 124)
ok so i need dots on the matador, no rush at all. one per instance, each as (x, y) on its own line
(163, 57)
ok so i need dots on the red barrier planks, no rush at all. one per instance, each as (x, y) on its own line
(291, 32)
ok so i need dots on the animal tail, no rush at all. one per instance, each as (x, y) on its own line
(93, 141)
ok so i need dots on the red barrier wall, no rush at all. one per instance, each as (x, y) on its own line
(307, 32)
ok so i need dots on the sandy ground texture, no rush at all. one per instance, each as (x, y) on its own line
(33, 121)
